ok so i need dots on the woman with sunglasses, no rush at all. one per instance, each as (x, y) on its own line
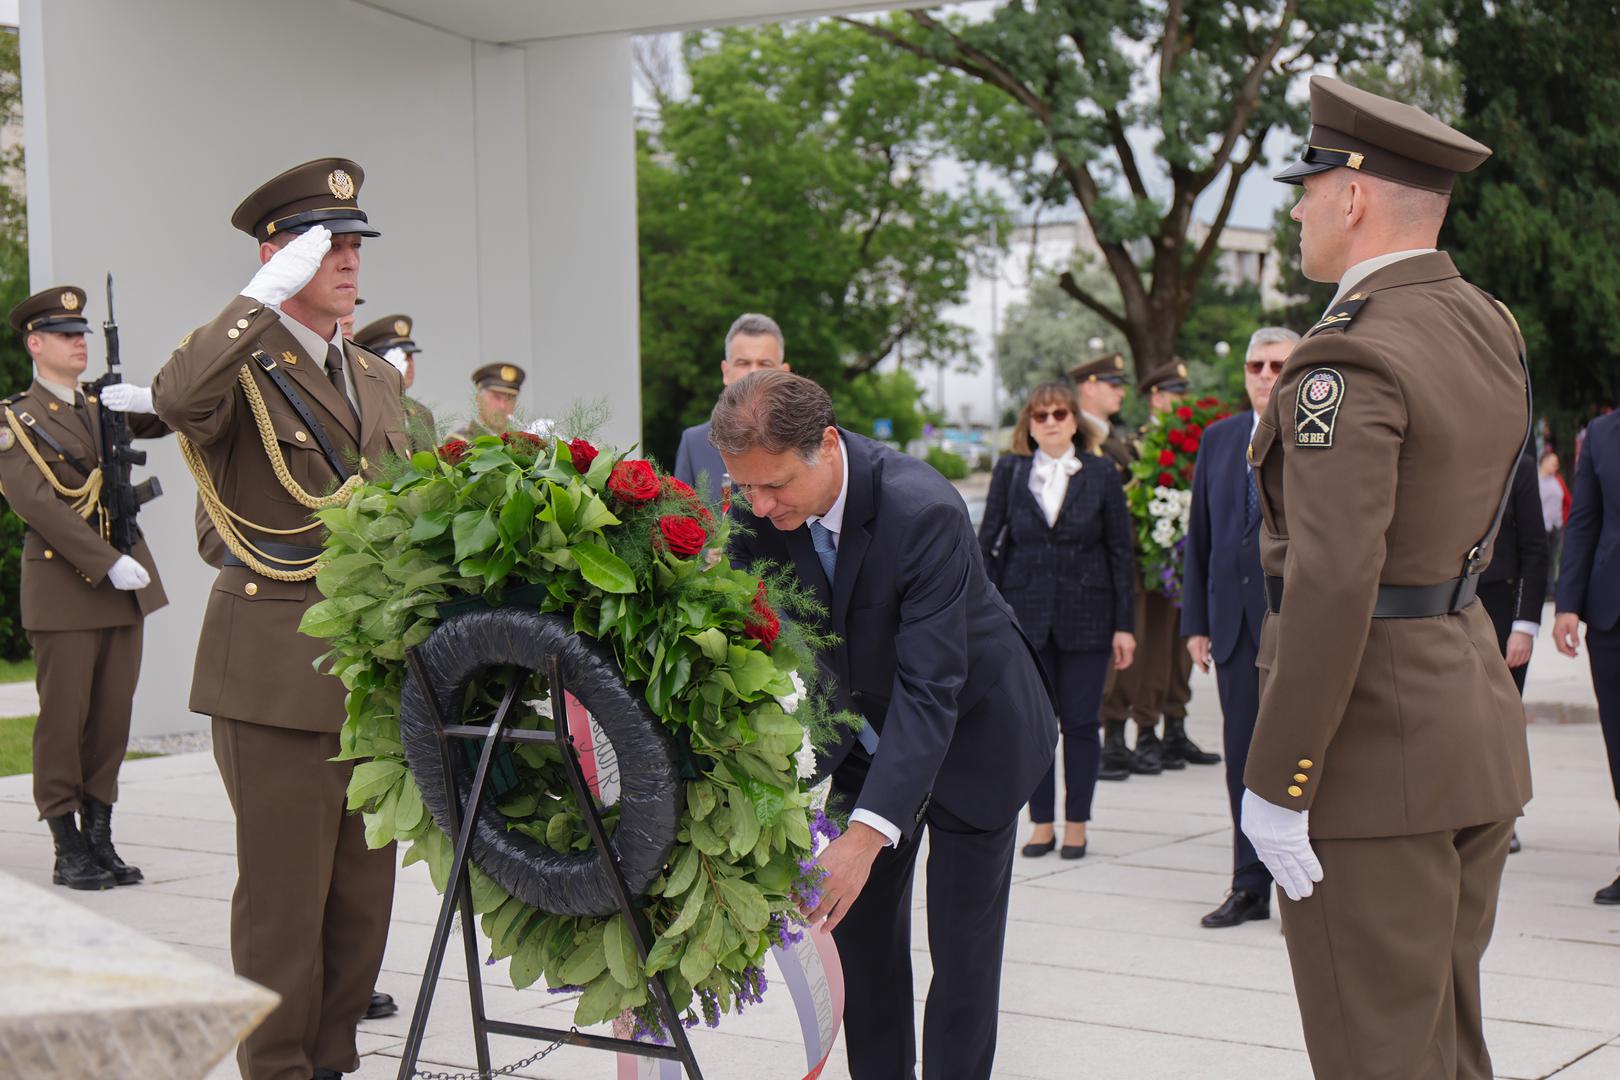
(1057, 541)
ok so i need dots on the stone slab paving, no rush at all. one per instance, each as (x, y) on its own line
(1108, 973)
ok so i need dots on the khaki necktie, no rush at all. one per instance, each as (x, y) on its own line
(334, 371)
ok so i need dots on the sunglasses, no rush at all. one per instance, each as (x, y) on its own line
(1040, 416)
(1255, 367)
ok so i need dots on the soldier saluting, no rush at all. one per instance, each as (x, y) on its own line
(281, 416)
(84, 602)
(1389, 760)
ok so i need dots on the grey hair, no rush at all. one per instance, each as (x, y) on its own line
(753, 324)
(1270, 335)
(775, 411)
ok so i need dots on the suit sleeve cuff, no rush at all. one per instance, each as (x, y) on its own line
(1524, 626)
(882, 825)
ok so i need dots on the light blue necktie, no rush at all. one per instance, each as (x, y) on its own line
(827, 551)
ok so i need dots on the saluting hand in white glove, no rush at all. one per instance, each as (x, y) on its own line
(129, 575)
(291, 268)
(127, 397)
(396, 356)
(1282, 839)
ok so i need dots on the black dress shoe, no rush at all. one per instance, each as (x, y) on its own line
(1178, 746)
(1072, 851)
(1148, 757)
(1240, 906)
(75, 866)
(381, 1005)
(1609, 895)
(96, 821)
(1514, 847)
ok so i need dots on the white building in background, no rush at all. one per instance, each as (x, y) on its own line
(498, 144)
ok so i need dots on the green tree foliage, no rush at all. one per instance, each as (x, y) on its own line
(797, 178)
(1121, 93)
(1538, 224)
(1220, 313)
(15, 368)
(1047, 333)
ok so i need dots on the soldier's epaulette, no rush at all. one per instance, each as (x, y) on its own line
(1340, 315)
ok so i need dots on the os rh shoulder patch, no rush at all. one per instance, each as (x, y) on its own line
(1316, 409)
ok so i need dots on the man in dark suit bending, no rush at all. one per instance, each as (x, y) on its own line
(959, 724)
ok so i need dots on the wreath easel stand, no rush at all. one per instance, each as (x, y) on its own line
(462, 814)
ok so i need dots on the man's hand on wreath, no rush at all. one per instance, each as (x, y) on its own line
(848, 862)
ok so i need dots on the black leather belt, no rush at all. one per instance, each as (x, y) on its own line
(295, 557)
(1402, 601)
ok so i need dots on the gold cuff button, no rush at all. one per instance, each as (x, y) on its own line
(1296, 791)
(300, 436)
(49, 554)
(233, 333)
(1301, 777)
(241, 324)
(1306, 763)
(251, 588)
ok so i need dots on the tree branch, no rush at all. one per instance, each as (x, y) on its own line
(1168, 57)
(1206, 250)
(1248, 96)
(1072, 287)
(872, 357)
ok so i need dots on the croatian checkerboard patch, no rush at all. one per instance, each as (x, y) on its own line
(1316, 409)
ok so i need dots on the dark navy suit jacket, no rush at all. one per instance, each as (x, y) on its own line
(696, 459)
(929, 652)
(1589, 576)
(1073, 580)
(1223, 592)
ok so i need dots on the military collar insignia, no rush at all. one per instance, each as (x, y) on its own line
(289, 358)
(1341, 314)
(1316, 407)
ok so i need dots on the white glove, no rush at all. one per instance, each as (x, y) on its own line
(127, 574)
(542, 428)
(396, 356)
(127, 397)
(291, 268)
(1281, 837)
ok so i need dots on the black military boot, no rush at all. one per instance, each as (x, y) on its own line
(1182, 748)
(1116, 756)
(1148, 757)
(98, 834)
(75, 866)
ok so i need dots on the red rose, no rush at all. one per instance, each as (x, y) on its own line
(1207, 403)
(1176, 438)
(1191, 447)
(1195, 430)
(525, 442)
(454, 450)
(764, 626)
(1167, 457)
(682, 535)
(634, 482)
(1185, 412)
(583, 454)
(1167, 479)
(680, 489)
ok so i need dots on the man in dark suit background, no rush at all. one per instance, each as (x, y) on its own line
(959, 724)
(1589, 585)
(1223, 601)
(754, 343)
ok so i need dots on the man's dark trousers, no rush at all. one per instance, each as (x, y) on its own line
(967, 926)
(1238, 682)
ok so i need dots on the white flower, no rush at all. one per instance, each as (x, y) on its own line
(805, 759)
(1164, 532)
(790, 702)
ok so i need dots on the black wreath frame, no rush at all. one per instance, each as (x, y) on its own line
(571, 883)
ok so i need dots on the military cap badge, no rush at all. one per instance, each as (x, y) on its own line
(402, 327)
(340, 184)
(70, 301)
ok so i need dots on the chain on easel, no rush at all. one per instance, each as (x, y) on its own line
(505, 1070)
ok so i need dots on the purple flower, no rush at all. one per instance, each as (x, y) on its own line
(821, 825)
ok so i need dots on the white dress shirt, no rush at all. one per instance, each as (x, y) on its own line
(833, 522)
(67, 395)
(316, 348)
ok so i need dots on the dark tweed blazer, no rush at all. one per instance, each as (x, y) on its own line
(1074, 580)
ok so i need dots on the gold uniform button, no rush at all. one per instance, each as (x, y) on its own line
(1301, 777)
(241, 324)
(233, 333)
(251, 588)
(300, 436)
(1296, 791)
(49, 554)
(1306, 763)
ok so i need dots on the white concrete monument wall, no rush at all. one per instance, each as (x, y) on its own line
(502, 179)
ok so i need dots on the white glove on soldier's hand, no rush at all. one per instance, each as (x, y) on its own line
(542, 428)
(126, 397)
(127, 574)
(1281, 838)
(396, 356)
(291, 268)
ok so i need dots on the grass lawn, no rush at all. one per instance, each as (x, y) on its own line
(17, 670)
(17, 746)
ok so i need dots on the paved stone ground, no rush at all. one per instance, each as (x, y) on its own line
(1108, 974)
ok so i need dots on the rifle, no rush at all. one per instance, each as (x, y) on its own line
(121, 498)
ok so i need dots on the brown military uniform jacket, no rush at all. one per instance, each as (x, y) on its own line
(65, 560)
(252, 664)
(1381, 458)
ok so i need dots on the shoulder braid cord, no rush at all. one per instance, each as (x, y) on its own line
(225, 519)
(85, 499)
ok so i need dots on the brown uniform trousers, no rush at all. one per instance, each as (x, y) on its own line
(309, 917)
(1161, 673)
(86, 635)
(1382, 455)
